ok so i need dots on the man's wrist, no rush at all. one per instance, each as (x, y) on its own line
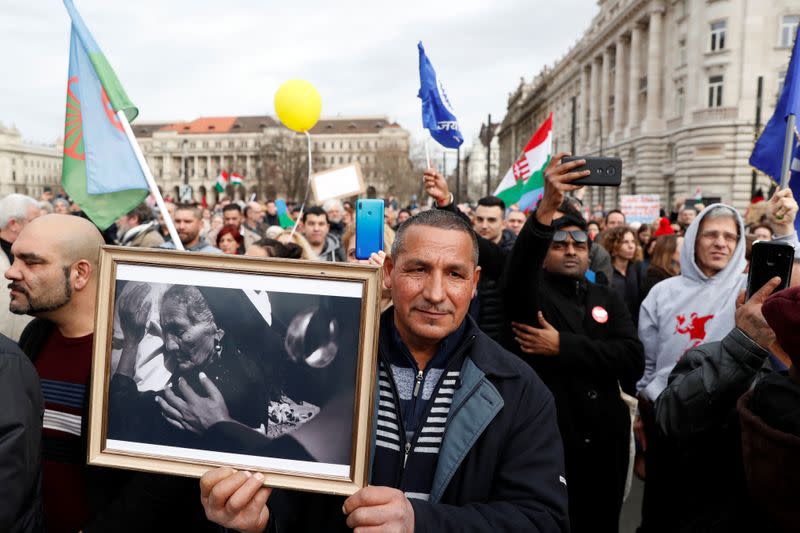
(449, 199)
(783, 230)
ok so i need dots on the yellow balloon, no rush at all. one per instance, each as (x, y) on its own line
(298, 105)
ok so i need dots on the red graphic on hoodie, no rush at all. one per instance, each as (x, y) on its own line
(695, 327)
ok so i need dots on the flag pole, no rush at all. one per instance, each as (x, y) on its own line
(787, 150)
(151, 183)
(308, 186)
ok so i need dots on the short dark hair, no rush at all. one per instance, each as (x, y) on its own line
(492, 201)
(198, 213)
(232, 207)
(571, 219)
(315, 210)
(435, 218)
(142, 212)
(615, 211)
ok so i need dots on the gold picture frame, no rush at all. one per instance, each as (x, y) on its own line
(330, 283)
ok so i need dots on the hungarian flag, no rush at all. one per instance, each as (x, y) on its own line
(236, 179)
(100, 171)
(222, 181)
(523, 184)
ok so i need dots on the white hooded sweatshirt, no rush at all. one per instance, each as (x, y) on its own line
(688, 310)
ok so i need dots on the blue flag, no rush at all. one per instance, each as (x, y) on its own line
(767, 154)
(437, 113)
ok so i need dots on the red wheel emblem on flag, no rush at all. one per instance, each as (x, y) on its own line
(600, 315)
(521, 169)
(112, 116)
(73, 130)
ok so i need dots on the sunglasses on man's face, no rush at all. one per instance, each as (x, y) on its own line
(579, 236)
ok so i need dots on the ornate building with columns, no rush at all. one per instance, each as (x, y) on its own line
(195, 152)
(670, 86)
(27, 168)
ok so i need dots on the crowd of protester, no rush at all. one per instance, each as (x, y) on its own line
(651, 362)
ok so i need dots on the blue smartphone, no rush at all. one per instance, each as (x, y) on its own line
(369, 227)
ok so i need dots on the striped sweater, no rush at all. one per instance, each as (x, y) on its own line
(412, 411)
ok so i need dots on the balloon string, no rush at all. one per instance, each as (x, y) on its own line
(308, 187)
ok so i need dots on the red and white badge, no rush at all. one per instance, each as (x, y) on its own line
(600, 315)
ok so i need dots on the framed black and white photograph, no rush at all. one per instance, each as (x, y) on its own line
(203, 361)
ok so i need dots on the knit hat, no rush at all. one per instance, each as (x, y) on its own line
(664, 228)
(782, 312)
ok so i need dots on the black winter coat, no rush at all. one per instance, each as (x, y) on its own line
(599, 352)
(21, 410)
(696, 449)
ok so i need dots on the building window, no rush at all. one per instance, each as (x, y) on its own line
(679, 101)
(715, 91)
(718, 36)
(788, 29)
(681, 52)
(643, 84)
(781, 80)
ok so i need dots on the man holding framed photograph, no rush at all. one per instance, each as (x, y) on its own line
(465, 433)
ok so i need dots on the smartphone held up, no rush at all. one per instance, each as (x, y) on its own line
(604, 171)
(369, 227)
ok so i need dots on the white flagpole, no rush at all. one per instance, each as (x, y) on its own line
(126, 126)
(427, 150)
(787, 151)
(308, 186)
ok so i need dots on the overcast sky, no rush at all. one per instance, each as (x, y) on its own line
(181, 59)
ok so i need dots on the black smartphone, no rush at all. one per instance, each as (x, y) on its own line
(605, 171)
(769, 259)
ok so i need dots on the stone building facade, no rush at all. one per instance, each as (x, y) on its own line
(671, 87)
(195, 152)
(27, 168)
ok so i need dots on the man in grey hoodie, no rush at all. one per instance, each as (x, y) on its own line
(698, 306)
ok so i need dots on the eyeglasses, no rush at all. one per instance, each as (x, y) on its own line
(579, 236)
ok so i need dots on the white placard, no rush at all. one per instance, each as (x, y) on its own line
(642, 208)
(338, 183)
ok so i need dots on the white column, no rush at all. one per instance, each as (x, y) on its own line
(655, 61)
(619, 87)
(633, 78)
(584, 103)
(594, 83)
(605, 73)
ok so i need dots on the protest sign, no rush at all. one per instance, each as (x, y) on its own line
(642, 208)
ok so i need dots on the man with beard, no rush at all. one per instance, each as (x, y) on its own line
(188, 223)
(54, 279)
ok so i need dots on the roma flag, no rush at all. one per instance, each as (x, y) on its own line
(283, 214)
(523, 184)
(100, 170)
